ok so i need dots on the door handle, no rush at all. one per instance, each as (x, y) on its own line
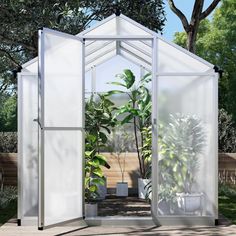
(37, 120)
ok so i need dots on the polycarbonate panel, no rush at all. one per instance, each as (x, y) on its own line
(172, 59)
(95, 56)
(107, 28)
(126, 26)
(133, 58)
(187, 148)
(62, 97)
(62, 81)
(28, 145)
(139, 52)
(100, 60)
(63, 176)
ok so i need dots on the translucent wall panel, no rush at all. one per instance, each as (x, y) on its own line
(62, 97)
(125, 26)
(27, 146)
(63, 176)
(172, 59)
(63, 79)
(186, 145)
(108, 27)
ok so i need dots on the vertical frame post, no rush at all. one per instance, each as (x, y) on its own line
(41, 130)
(215, 105)
(154, 131)
(19, 148)
(83, 122)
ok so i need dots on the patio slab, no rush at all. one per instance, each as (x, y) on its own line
(11, 229)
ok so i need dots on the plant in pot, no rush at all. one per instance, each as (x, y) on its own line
(98, 121)
(136, 111)
(93, 175)
(180, 148)
(120, 147)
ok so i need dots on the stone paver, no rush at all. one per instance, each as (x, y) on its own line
(10, 229)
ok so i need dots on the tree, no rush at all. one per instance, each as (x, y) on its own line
(8, 112)
(191, 28)
(216, 43)
(20, 21)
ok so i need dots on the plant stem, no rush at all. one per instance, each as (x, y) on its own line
(137, 147)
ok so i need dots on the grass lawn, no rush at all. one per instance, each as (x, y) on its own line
(227, 202)
(8, 212)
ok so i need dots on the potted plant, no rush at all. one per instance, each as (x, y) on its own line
(93, 175)
(138, 112)
(98, 121)
(120, 147)
(180, 146)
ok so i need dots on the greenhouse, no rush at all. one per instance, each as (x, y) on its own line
(116, 117)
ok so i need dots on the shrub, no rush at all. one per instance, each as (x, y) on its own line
(226, 132)
(7, 194)
(8, 142)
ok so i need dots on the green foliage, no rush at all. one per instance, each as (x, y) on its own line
(93, 171)
(180, 143)
(137, 110)
(98, 121)
(216, 43)
(8, 142)
(226, 132)
(8, 112)
(7, 194)
(227, 202)
(146, 150)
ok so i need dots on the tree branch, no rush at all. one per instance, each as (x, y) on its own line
(8, 40)
(181, 16)
(14, 62)
(208, 11)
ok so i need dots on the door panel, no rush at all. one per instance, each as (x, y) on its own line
(61, 119)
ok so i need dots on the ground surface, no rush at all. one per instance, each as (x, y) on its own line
(129, 206)
(10, 229)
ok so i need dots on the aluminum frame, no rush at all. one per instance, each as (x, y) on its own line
(20, 180)
(43, 128)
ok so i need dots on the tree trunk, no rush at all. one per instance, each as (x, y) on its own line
(191, 39)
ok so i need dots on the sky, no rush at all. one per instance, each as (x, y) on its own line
(173, 23)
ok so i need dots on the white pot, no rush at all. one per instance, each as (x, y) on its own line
(142, 190)
(91, 209)
(190, 202)
(122, 189)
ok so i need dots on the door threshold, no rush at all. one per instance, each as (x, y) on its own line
(120, 221)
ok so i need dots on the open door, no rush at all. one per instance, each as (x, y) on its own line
(61, 141)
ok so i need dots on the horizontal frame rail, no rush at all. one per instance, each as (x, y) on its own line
(186, 74)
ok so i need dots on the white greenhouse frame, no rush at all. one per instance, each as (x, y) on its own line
(34, 70)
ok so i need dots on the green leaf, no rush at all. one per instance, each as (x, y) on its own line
(117, 83)
(103, 137)
(93, 188)
(115, 92)
(98, 172)
(129, 78)
(127, 119)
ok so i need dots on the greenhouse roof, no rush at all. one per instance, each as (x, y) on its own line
(120, 35)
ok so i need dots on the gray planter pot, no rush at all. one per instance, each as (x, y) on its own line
(122, 189)
(91, 209)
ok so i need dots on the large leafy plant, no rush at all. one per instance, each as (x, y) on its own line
(93, 168)
(181, 143)
(136, 111)
(98, 121)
